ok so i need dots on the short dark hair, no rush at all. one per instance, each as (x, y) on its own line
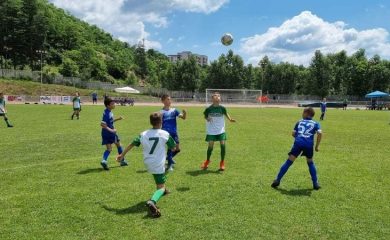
(107, 101)
(164, 96)
(155, 119)
(310, 111)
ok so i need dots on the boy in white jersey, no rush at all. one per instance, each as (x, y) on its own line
(3, 111)
(215, 116)
(153, 142)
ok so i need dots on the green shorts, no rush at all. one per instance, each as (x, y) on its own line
(76, 109)
(216, 138)
(160, 178)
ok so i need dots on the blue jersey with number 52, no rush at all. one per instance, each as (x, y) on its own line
(305, 130)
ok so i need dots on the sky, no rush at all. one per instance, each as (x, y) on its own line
(284, 30)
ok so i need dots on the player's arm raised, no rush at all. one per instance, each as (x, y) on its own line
(119, 118)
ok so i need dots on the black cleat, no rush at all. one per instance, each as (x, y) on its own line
(123, 163)
(10, 126)
(154, 211)
(316, 187)
(275, 184)
(105, 166)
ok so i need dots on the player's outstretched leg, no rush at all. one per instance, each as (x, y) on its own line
(7, 122)
(120, 150)
(161, 191)
(313, 174)
(283, 170)
(206, 163)
(223, 153)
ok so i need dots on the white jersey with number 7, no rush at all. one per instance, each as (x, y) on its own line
(153, 142)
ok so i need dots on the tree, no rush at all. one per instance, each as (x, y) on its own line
(320, 74)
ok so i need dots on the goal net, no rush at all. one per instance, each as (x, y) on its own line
(235, 96)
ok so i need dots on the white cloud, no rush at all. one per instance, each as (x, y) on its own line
(126, 19)
(298, 38)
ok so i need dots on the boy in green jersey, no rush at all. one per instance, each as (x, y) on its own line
(215, 117)
(153, 142)
(3, 111)
(76, 106)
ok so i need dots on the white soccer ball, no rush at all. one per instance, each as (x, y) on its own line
(227, 39)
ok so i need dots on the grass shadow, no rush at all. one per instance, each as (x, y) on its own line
(183, 189)
(141, 171)
(199, 172)
(296, 192)
(137, 208)
(93, 170)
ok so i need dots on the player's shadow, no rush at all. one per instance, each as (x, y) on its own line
(296, 192)
(199, 172)
(137, 208)
(94, 170)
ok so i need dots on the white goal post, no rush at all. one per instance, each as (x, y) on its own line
(236, 96)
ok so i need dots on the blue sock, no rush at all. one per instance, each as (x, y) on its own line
(313, 172)
(284, 169)
(175, 153)
(170, 157)
(105, 155)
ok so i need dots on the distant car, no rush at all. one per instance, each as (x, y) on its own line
(317, 104)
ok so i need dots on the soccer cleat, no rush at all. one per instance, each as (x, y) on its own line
(154, 211)
(123, 163)
(275, 184)
(205, 165)
(105, 166)
(170, 168)
(222, 166)
(316, 186)
(10, 126)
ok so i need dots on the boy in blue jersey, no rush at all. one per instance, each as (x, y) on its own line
(109, 134)
(323, 108)
(303, 133)
(169, 124)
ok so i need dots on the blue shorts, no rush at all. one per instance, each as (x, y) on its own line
(175, 137)
(110, 139)
(299, 149)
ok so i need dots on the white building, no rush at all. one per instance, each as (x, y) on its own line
(201, 59)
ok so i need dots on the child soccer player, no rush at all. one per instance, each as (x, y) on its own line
(169, 124)
(323, 108)
(109, 134)
(153, 142)
(3, 111)
(303, 133)
(76, 106)
(215, 117)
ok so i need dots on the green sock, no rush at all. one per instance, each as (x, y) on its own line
(223, 152)
(157, 195)
(209, 151)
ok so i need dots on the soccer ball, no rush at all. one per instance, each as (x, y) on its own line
(227, 39)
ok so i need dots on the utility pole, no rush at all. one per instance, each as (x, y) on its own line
(41, 52)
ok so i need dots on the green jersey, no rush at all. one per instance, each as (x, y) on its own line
(76, 102)
(216, 125)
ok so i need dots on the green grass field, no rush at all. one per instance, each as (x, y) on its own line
(52, 186)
